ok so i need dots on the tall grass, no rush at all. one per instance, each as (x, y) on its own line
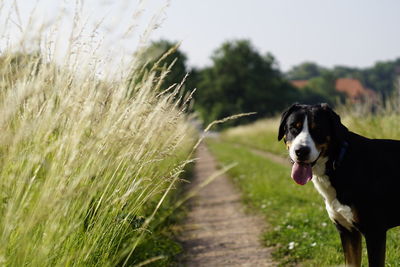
(85, 164)
(383, 122)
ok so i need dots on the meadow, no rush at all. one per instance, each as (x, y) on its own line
(300, 229)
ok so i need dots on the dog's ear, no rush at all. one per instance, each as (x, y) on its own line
(284, 117)
(339, 130)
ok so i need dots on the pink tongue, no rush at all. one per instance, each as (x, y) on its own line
(301, 173)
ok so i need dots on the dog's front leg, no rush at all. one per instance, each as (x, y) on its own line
(351, 243)
(376, 247)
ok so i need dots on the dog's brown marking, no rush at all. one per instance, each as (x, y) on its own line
(313, 125)
(356, 217)
(352, 248)
(351, 242)
(288, 144)
(323, 148)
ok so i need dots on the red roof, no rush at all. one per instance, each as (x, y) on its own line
(299, 83)
(353, 88)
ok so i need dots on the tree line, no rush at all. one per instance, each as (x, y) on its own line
(239, 80)
(382, 77)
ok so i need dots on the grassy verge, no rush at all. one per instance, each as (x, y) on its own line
(89, 153)
(300, 228)
(375, 126)
(262, 135)
(86, 172)
(160, 243)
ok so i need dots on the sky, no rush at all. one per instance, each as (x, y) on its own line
(354, 33)
(329, 32)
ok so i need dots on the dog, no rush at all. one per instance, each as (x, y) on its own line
(358, 177)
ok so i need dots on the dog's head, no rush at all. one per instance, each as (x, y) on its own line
(310, 132)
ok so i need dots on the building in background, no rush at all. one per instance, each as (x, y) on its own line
(352, 88)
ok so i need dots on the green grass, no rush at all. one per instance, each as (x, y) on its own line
(262, 135)
(161, 243)
(375, 126)
(300, 228)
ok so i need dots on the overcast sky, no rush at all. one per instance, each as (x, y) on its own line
(329, 32)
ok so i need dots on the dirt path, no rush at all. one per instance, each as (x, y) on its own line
(217, 231)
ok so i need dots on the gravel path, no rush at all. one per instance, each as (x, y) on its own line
(217, 231)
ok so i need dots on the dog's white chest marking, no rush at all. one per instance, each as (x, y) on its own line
(336, 211)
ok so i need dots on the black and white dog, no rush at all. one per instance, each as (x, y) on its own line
(359, 178)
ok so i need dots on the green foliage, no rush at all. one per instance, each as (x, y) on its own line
(165, 60)
(382, 77)
(241, 80)
(346, 72)
(322, 89)
(305, 71)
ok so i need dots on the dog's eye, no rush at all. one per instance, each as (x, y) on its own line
(294, 130)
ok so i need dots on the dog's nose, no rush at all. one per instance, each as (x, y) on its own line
(302, 152)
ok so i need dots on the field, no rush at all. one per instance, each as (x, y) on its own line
(299, 226)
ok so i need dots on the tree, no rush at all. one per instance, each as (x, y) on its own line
(241, 80)
(161, 56)
(346, 72)
(18, 65)
(382, 77)
(324, 87)
(305, 71)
